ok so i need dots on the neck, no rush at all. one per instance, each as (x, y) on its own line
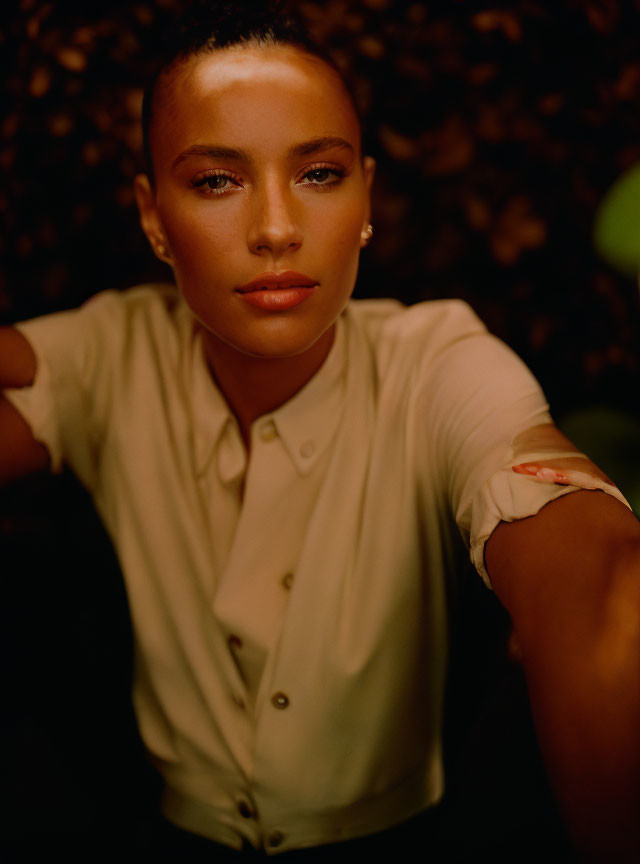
(253, 386)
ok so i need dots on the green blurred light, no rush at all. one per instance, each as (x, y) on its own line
(616, 231)
(611, 438)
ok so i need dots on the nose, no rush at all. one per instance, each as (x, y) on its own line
(274, 228)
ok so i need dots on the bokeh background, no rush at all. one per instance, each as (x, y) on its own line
(498, 129)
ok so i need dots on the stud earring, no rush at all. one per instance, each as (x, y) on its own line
(367, 234)
(161, 249)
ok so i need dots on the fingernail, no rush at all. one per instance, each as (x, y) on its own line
(526, 469)
(545, 475)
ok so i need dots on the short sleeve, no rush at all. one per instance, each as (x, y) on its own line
(483, 398)
(67, 405)
(507, 496)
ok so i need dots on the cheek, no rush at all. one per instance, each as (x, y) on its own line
(337, 220)
(198, 237)
(342, 230)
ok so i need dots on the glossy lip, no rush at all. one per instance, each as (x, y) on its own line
(271, 280)
(278, 300)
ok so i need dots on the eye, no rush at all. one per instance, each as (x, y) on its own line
(215, 183)
(321, 176)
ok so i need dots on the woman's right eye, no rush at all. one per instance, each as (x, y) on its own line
(214, 184)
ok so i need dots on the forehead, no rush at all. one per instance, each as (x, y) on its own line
(260, 94)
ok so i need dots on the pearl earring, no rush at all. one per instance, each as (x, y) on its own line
(367, 234)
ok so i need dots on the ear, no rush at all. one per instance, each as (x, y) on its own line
(150, 219)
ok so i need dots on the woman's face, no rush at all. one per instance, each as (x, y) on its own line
(258, 171)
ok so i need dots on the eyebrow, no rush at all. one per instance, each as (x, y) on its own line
(215, 151)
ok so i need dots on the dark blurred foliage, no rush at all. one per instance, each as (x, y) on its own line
(497, 129)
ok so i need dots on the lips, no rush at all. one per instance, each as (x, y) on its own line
(273, 281)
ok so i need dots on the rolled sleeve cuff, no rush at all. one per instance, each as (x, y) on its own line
(507, 496)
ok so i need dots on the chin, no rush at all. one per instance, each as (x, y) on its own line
(269, 337)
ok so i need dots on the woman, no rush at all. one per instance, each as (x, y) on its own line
(278, 467)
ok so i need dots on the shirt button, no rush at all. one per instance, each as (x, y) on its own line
(307, 449)
(280, 700)
(268, 431)
(275, 839)
(245, 809)
(287, 581)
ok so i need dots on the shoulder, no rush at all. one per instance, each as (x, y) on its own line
(160, 301)
(133, 319)
(440, 320)
(109, 331)
(390, 317)
(414, 334)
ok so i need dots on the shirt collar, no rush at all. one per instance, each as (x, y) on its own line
(305, 423)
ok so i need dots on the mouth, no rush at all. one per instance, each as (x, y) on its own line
(277, 281)
(279, 300)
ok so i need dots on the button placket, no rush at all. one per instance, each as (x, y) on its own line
(275, 839)
(280, 700)
(268, 431)
(307, 449)
(245, 809)
(238, 701)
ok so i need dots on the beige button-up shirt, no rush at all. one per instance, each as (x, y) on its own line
(289, 614)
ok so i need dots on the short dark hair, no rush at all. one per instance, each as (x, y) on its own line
(206, 27)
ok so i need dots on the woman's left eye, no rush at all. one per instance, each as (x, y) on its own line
(320, 176)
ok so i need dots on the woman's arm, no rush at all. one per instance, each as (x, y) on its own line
(17, 359)
(570, 579)
(20, 453)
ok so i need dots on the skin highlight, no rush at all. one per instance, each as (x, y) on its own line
(248, 182)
